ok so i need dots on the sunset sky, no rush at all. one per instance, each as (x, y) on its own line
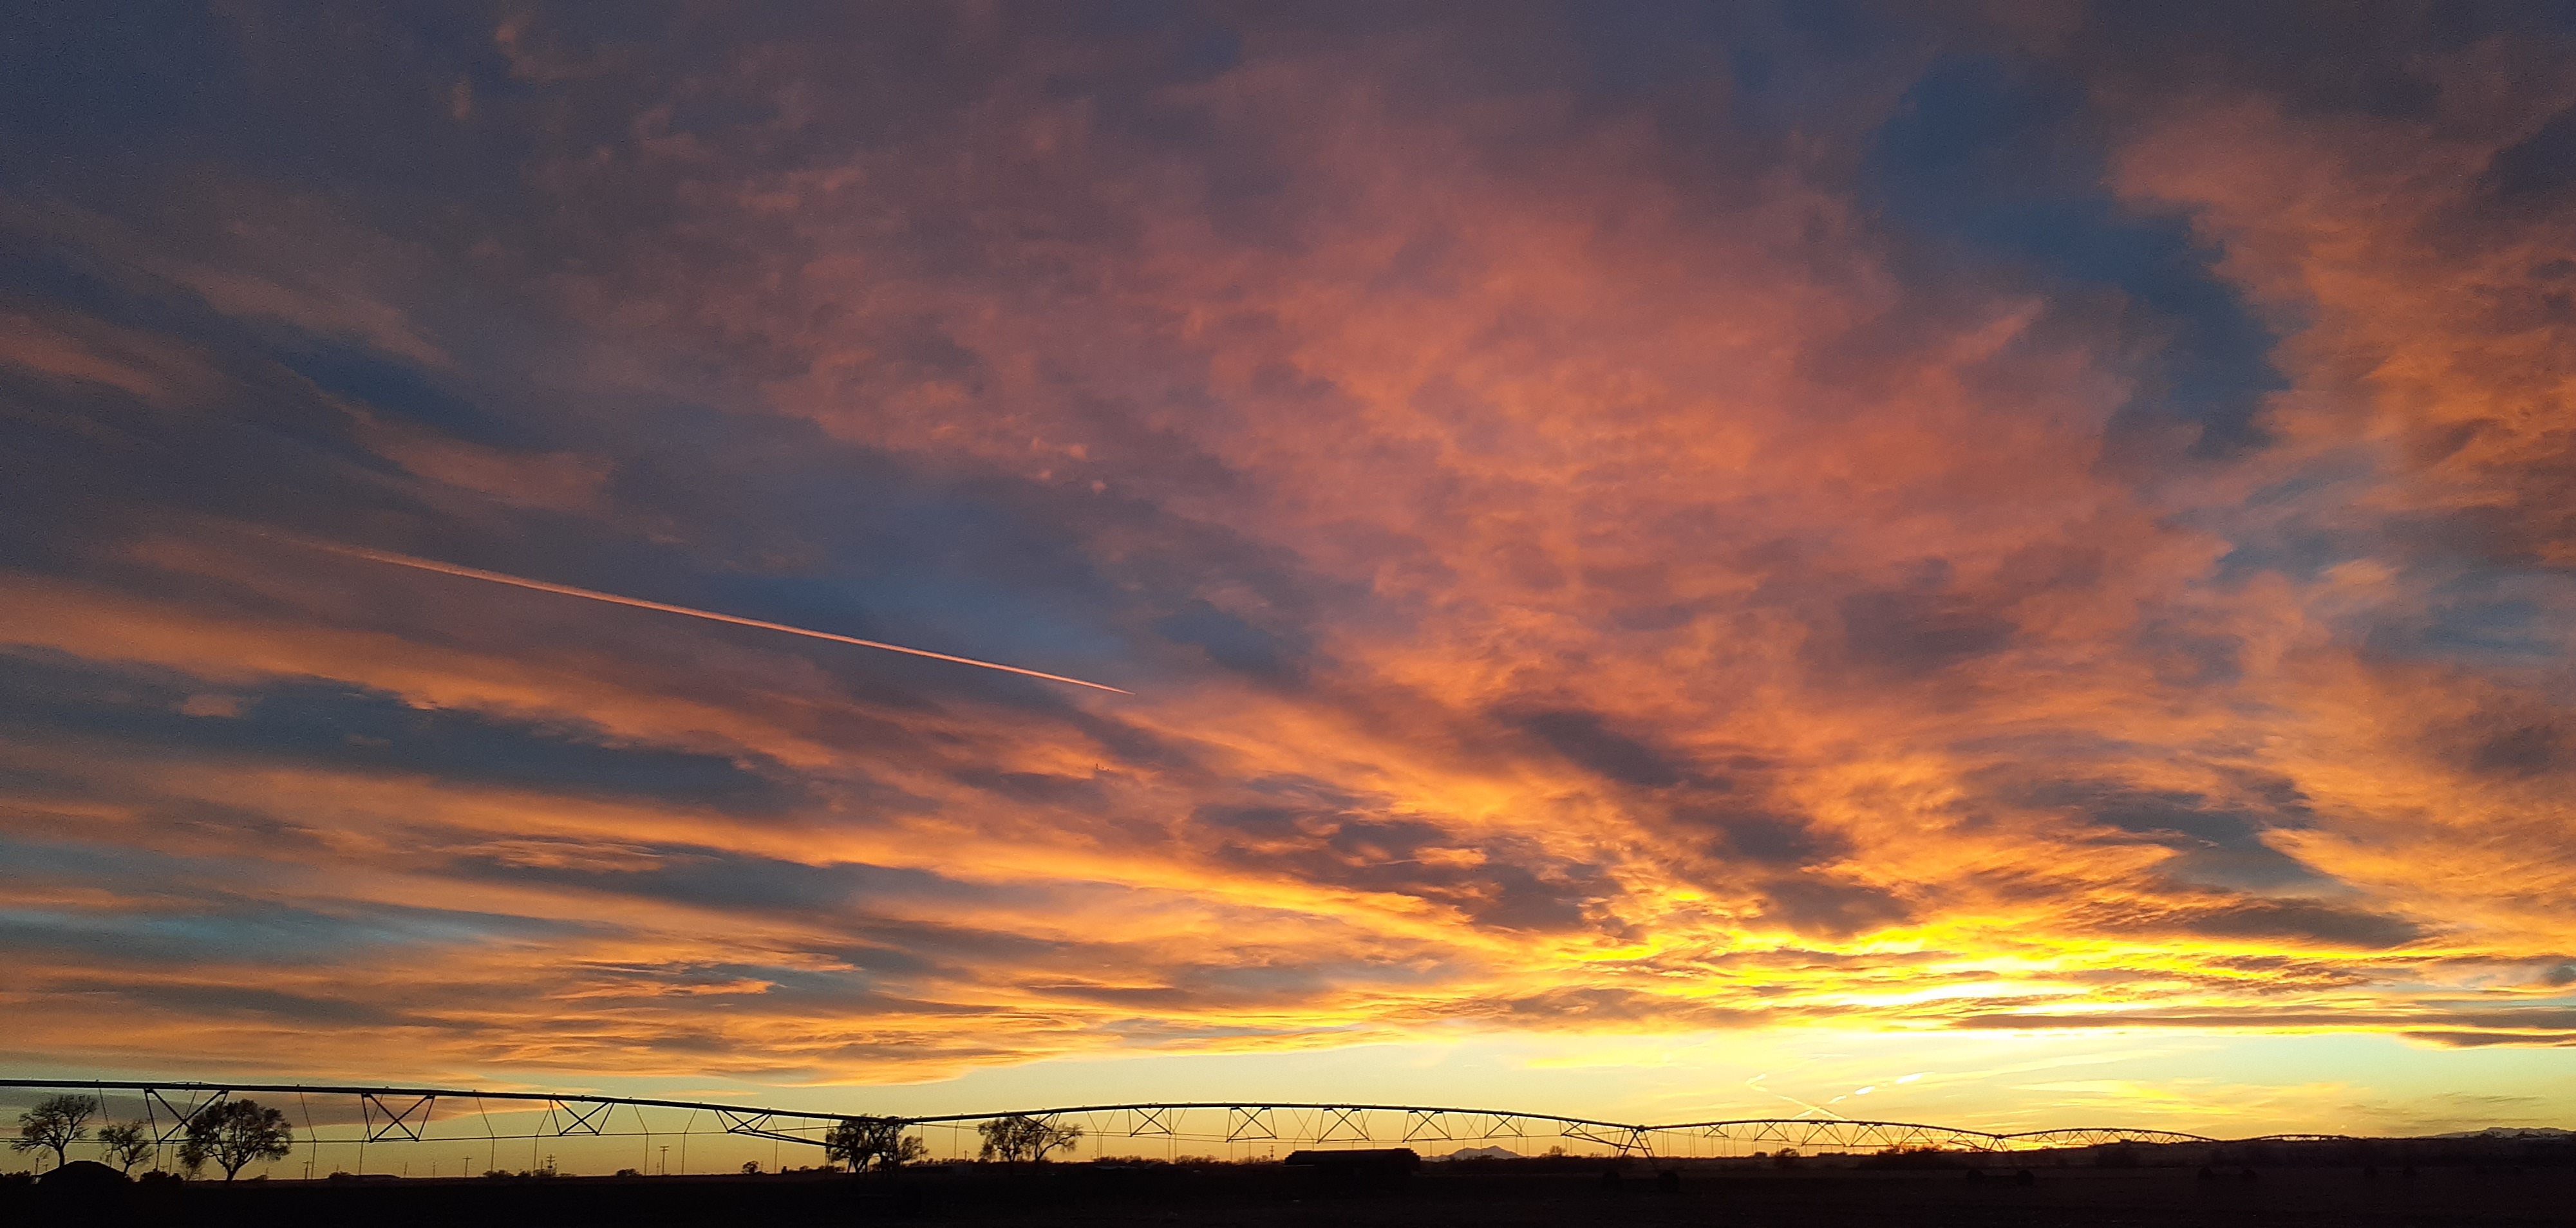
(1672, 560)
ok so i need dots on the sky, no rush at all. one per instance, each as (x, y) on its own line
(1664, 561)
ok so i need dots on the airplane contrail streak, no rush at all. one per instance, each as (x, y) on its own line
(476, 573)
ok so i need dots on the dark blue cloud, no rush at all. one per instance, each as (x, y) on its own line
(2218, 842)
(1820, 904)
(344, 728)
(1311, 834)
(1910, 633)
(2541, 164)
(1586, 739)
(2302, 921)
(1741, 834)
(404, 390)
(129, 80)
(189, 911)
(1989, 158)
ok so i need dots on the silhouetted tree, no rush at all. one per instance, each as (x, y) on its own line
(125, 1145)
(860, 1140)
(56, 1122)
(1020, 1137)
(233, 1134)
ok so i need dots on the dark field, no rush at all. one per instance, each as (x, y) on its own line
(1488, 1194)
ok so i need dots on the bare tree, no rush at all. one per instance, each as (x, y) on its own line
(56, 1122)
(860, 1140)
(1020, 1137)
(125, 1144)
(233, 1134)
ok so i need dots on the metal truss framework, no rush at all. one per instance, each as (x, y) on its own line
(403, 1114)
(384, 1121)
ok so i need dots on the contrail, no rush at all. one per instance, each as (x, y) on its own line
(476, 573)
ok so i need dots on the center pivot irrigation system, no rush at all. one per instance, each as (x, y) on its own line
(436, 1122)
